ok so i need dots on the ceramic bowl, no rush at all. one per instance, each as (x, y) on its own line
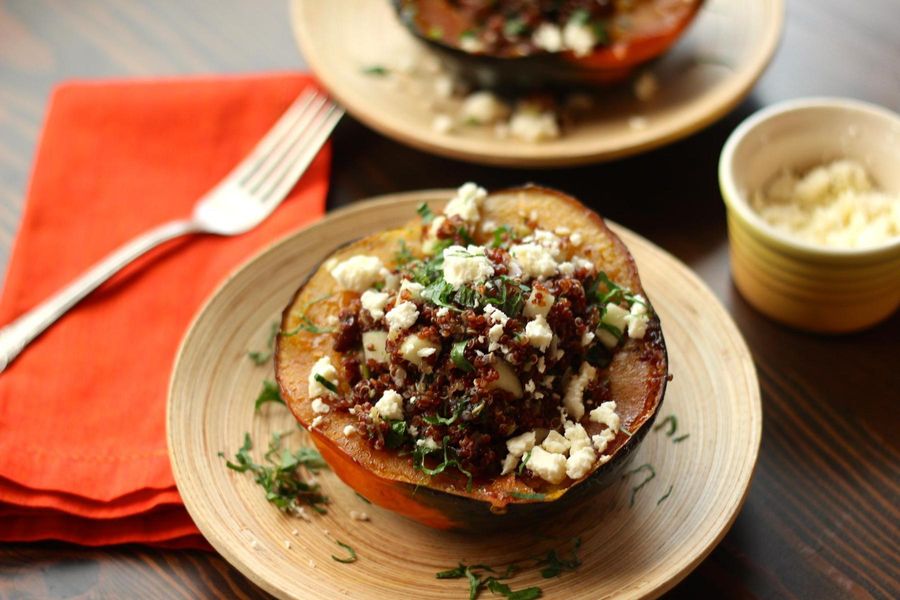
(810, 287)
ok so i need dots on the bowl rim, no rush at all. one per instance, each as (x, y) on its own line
(736, 202)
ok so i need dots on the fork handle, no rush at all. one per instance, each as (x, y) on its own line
(18, 334)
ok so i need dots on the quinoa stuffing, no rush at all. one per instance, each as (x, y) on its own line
(486, 359)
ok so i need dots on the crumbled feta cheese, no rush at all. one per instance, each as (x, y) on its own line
(534, 260)
(415, 349)
(548, 466)
(555, 442)
(466, 265)
(539, 333)
(575, 390)
(583, 263)
(602, 439)
(391, 280)
(531, 124)
(580, 462)
(412, 430)
(548, 37)
(645, 86)
(442, 123)
(529, 386)
(374, 346)
(428, 444)
(412, 289)
(577, 436)
(509, 464)
(358, 516)
(638, 319)
(466, 203)
(319, 407)
(349, 430)
(390, 405)
(431, 239)
(579, 37)
(471, 44)
(324, 369)
(566, 268)
(587, 338)
(608, 339)
(548, 240)
(443, 86)
(576, 239)
(539, 302)
(357, 273)
(374, 302)
(495, 315)
(605, 414)
(317, 421)
(494, 335)
(483, 108)
(443, 311)
(837, 205)
(614, 316)
(521, 444)
(402, 316)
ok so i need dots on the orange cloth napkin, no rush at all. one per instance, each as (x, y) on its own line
(82, 432)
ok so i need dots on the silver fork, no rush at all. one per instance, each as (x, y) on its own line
(238, 203)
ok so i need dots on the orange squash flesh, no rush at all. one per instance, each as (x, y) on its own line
(638, 375)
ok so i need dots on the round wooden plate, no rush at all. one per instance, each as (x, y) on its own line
(708, 72)
(638, 550)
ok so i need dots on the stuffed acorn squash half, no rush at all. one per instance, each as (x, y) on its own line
(479, 365)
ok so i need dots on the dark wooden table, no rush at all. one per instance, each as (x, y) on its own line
(821, 519)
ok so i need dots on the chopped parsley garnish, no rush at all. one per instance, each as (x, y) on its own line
(435, 33)
(681, 438)
(524, 462)
(502, 234)
(554, 564)
(664, 496)
(261, 358)
(651, 474)
(426, 213)
(458, 356)
(376, 70)
(483, 576)
(395, 434)
(514, 27)
(671, 421)
(419, 462)
(350, 551)
(325, 383)
(306, 324)
(280, 476)
(268, 394)
(439, 420)
(403, 255)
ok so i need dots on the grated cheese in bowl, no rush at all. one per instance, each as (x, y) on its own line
(835, 205)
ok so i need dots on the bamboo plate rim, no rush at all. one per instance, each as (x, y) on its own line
(666, 122)
(208, 488)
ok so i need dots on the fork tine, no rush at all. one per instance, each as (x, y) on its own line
(295, 163)
(277, 134)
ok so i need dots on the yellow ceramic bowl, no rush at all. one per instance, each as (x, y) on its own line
(810, 287)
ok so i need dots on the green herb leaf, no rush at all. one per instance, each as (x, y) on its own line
(419, 462)
(425, 212)
(280, 477)
(580, 16)
(395, 436)
(664, 496)
(514, 27)
(268, 394)
(306, 323)
(261, 358)
(456, 573)
(681, 438)
(524, 462)
(351, 551)
(502, 234)
(458, 356)
(555, 564)
(651, 474)
(439, 420)
(404, 255)
(376, 70)
(671, 421)
(325, 383)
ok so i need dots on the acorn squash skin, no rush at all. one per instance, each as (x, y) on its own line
(443, 502)
(564, 70)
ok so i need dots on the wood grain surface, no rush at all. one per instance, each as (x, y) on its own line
(821, 519)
